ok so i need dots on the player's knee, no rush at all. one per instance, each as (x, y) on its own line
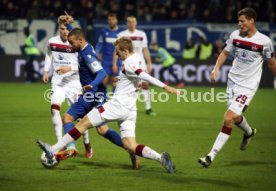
(129, 145)
(84, 124)
(228, 120)
(67, 118)
(102, 130)
(145, 86)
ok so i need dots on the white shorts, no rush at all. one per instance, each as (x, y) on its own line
(60, 93)
(238, 98)
(113, 111)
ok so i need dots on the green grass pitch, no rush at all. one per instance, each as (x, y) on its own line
(186, 130)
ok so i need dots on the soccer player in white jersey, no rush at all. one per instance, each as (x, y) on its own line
(65, 81)
(140, 44)
(121, 108)
(250, 48)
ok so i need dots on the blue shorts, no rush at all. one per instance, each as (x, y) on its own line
(81, 107)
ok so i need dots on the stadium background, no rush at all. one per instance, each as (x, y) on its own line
(185, 129)
(171, 23)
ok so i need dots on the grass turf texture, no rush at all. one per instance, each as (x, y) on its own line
(186, 130)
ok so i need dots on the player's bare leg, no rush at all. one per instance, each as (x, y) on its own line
(147, 99)
(69, 137)
(71, 150)
(146, 152)
(56, 119)
(249, 132)
(222, 138)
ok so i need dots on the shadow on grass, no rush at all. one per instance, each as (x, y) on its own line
(147, 172)
(180, 178)
(93, 164)
(250, 163)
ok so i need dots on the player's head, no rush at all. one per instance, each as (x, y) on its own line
(26, 31)
(154, 46)
(63, 32)
(247, 19)
(131, 23)
(123, 47)
(76, 38)
(112, 20)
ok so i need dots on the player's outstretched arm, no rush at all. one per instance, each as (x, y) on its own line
(145, 76)
(221, 59)
(272, 65)
(172, 90)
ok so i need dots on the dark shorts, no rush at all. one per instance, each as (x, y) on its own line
(84, 104)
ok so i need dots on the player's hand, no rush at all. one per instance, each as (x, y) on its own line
(45, 77)
(172, 90)
(149, 68)
(114, 68)
(66, 19)
(115, 79)
(87, 87)
(214, 75)
(63, 69)
(100, 57)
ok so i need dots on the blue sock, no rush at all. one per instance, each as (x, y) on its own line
(114, 137)
(67, 127)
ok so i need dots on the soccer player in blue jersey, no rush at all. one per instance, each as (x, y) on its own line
(91, 77)
(105, 47)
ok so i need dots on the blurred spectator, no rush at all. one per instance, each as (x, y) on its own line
(29, 48)
(147, 10)
(2, 51)
(218, 47)
(33, 11)
(204, 50)
(189, 52)
(167, 60)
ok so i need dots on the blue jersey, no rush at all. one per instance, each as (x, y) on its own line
(91, 73)
(106, 47)
(90, 70)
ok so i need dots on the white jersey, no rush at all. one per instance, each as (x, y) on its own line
(249, 56)
(139, 40)
(59, 54)
(126, 92)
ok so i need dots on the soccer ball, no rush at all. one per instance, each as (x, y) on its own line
(48, 163)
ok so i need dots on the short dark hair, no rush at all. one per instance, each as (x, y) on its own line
(76, 32)
(249, 13)
(112, 15)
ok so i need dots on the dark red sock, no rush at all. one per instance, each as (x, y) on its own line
(237, 123)
(226, 130)
(139, 149)
(74, 133)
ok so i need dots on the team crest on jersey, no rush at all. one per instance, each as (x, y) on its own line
(68, 49)
(60, 57)
(244, 54)
(89, 56)
(254, 48)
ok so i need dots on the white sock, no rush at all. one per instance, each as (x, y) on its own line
(63, 142)
(151, 154)
(245, 127)
(222, 138)
(146, 94)
(57, 122)
(86, 137)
